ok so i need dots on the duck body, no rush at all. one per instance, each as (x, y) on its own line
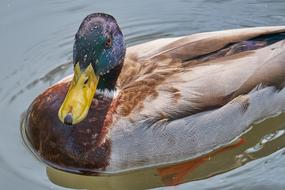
(175, 99)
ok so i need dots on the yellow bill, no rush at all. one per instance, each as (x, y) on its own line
(79, 97)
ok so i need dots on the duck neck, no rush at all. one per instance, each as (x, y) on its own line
(109, 80)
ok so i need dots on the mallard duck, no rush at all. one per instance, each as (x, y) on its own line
(161, 102)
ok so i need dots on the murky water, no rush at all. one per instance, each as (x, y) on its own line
(36, 40)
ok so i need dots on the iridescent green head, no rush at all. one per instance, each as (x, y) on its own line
(98, 55)
(99, 42)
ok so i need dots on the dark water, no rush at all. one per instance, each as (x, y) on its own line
(36, 39)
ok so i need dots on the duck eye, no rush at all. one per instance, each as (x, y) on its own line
(108, 42)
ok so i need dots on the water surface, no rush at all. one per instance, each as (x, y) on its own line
(36, 48)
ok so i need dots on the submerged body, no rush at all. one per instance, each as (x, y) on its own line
(175, 99)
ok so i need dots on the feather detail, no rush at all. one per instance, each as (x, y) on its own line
(198, 73)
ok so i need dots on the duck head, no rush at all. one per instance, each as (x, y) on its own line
(98, 56)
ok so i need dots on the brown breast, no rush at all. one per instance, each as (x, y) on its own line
(70, 148)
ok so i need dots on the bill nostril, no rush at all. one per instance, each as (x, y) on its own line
(68, 119)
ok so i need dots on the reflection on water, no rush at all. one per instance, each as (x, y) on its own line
(36, 49)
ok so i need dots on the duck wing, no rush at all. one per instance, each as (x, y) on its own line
(200, 72)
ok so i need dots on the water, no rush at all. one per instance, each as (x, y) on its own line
(36, 49)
